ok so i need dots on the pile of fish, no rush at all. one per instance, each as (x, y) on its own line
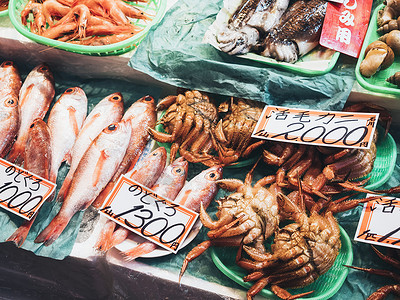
(84, 22)
(277, 28)
(97, 147)
(169, 182)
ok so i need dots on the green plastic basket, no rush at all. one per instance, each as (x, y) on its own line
(377, 82)
(153, 7)
(385, 161)
(324, 287)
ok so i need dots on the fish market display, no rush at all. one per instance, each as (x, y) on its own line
(37, 160)
(65, 121)
(273, 29)
(10, 85)
(142, 116)
(92, 174)
(35, 97)
(85, 22)
(108, 110)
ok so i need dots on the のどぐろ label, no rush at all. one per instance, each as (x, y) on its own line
(21, 191)
(142, 211)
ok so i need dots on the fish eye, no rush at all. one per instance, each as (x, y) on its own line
(70, 90)
(11, 102)
(32, 125)
(112, 127)
(177, 170)
(116, 98)
(44, 68)
(211, 176)
(148, 98)
(7, 63)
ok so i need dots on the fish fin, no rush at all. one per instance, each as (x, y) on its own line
(27, 92)
(91, 120)
(185, 197)
(105, 240)
(99, 167)
(72, 119)
(139, 250)
(67, 158)
(103, 194)
(19, 236)
(53, 230)
(16, 154)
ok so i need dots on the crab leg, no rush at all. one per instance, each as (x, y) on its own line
(283, 294)
(385, 291)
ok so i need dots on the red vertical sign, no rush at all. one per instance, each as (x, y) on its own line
(345, 26)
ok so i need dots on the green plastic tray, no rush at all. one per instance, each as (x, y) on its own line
(154, 7)
(4, 13)
(385, 160)
(318, 62)
(324, 287)
(377, 83)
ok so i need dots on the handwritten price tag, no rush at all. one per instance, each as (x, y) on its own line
(380, 223)
(322, 128)
(22, 192)
(140, 210)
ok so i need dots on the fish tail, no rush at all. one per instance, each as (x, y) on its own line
(19, 236)
(53, 230)
(104, 242)
(139, 250)
(103, 195)
(16, 154)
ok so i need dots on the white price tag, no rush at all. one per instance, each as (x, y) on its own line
(22, 192)
(142, 211)
(379, 223)
(320, 128)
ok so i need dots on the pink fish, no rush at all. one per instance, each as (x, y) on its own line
(10, 85)
(146, 172)
(168, 185)
(142, 116)
(202, 188)
(107, 111)
(10, 81)
(35, 97)
(65, 121)
(94, 171)
(37, 160)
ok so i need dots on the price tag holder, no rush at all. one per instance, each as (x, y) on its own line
(345, 26)
(379, 223)
(142, 211)
(318, 128)
(21, 191)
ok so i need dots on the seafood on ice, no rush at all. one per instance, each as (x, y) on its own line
(37, 159)
(92, 174)
(10, 85)
(108, 110)
(65, 122)
(86, 22)
(35, 97)
(274, 29)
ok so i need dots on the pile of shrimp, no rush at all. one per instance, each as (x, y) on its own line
(84, 22)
